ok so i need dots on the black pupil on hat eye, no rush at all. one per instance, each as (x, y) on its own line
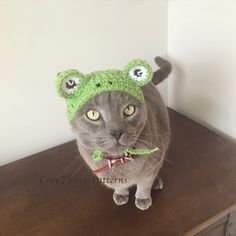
(70, 84)
(98, 85)
(110, 82)
(138, 72)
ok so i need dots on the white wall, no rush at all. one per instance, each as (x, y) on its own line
(202, 45)
(40, 38)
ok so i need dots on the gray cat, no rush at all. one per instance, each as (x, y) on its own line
(148, 126)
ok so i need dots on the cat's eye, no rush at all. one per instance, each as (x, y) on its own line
(129, 110)
(93, 115)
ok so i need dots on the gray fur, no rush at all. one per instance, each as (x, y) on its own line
(149, 127)
(163, 72)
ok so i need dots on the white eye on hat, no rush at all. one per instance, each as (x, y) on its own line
(138, 73)
(70, 85)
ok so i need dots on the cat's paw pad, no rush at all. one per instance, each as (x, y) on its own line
(143, 204)
(120, 199)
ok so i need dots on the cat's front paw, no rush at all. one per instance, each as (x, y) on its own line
(120, 199)
(143, 204)
(158, 184)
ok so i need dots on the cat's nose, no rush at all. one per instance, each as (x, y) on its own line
(117, 133)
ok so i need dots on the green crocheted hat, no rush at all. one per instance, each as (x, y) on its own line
(78, 88)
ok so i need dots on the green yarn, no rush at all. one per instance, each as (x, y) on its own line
(144, 151)
(77, 88)
(97, 155)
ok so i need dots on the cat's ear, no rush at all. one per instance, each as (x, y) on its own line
(139, 71)
(68, 82)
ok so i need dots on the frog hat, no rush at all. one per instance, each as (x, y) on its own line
(78, 88)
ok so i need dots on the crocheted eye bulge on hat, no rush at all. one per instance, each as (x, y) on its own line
(78, 88)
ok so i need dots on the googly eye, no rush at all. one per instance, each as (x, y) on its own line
(71, 84)
(138, 73)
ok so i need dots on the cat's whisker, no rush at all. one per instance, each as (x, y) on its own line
(147, 135)
(70, 165)
(77, 170)
(140, 140)
(168, 160)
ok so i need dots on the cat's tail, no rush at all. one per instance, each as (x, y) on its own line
(163, 72)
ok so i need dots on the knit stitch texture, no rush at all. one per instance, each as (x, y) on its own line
(77, 88)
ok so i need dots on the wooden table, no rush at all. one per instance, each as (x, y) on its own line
(54, 193)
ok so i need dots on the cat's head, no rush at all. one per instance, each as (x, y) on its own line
(106, 109)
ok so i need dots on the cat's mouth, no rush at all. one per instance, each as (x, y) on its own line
(116, 150)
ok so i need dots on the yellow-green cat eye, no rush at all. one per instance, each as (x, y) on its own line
(93, 115)
(129, 110)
